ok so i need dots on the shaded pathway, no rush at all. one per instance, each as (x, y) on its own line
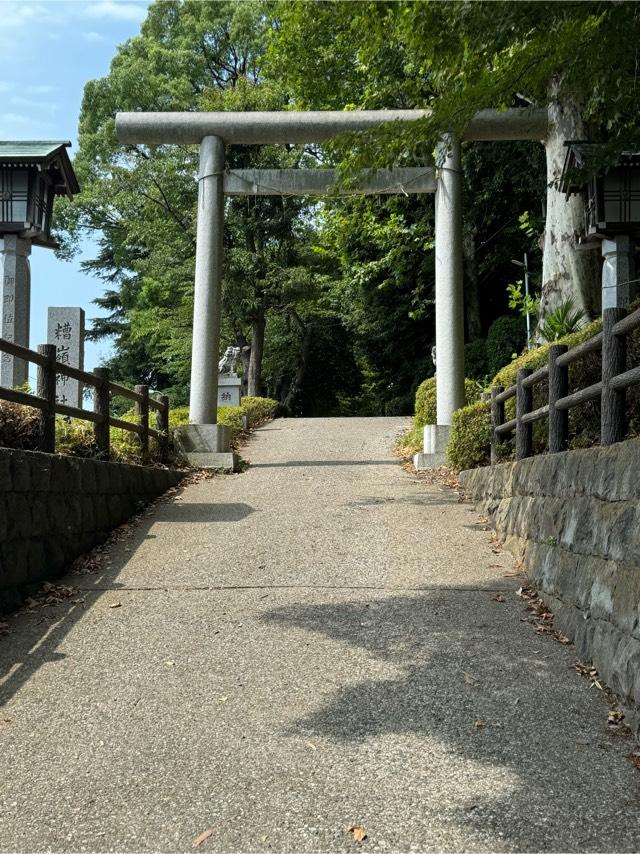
(307, 646)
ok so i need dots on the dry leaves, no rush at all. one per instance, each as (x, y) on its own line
(499, 598)
(634, 756)
(589, 672)
(358, 833)
(200, 839)
(52, 594)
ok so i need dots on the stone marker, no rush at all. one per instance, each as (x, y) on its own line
(229, 389)
(16, 289)
(65, 329)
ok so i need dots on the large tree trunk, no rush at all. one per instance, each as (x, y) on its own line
(473, 321)
(567, 271)
(305, 352)
(254, 384)
(245, 358)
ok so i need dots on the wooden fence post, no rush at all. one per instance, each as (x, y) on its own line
(141, 409)
(524, 405)
(46, 388)
(558, 388)
(497, 418)
(614, 361)
(162, 426)
(102, 407)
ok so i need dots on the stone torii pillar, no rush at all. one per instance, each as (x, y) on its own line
(212, 130)
(203, 400)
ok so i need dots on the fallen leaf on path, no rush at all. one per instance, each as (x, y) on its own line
(200, 839)
(358, 833)
(479, 724)
(634, 756)
(499, 598)
(115, 605)
(312, 745)
(469, 678)
(615, 718)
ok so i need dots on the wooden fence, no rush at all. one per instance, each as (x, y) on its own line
(616, 378)
(45, 401)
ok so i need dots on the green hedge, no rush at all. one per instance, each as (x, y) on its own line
(19, 428)
(470, 440)
(425, 412)
(426, 400)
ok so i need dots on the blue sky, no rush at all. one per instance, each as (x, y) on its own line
(48, 51)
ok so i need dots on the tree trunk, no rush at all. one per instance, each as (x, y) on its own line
(567, 271)
(473, 321)
(245, 358)
(254, 384)
(296, 383)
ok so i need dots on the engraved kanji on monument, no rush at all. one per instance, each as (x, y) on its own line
(65, 329)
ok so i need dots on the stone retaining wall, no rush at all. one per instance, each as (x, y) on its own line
(54, 508)
(574, 519)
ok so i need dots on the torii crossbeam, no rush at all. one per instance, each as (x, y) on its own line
(213, 130)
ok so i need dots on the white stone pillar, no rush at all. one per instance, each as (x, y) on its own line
(449, 286)
(618, 272)
(208, 278)
(16, 303)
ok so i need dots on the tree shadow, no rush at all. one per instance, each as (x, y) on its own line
(35, 634)
(477, 682)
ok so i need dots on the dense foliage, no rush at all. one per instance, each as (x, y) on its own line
(333, 302)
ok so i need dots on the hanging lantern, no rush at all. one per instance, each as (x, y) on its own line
(32, 174)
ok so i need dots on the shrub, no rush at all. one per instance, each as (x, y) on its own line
(470, 440)
(259, 409)
(507, 335)
(19, 426)
(476, 364)
(426, 400)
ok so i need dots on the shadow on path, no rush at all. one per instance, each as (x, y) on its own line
(484, 686)
(36, 635)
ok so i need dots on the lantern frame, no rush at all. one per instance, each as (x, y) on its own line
(611, 198)
(32, 174)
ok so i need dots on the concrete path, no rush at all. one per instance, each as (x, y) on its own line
(312, 645)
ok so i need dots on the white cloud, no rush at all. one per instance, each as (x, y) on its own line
(40, 90)
(5, 86)
(93, 38)
(19, 101)
(117, 10)
(21, 122)
(18, 14)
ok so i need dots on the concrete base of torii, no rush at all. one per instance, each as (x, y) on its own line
(206, 446)
(436, 439)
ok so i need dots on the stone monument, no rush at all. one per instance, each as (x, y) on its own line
(229, 382)
(65, 329)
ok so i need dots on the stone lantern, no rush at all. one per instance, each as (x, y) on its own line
(612, 214)
(32, 174)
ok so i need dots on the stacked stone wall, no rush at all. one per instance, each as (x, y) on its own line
(54, 508)
(574, 520)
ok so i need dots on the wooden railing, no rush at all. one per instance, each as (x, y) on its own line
(45, 401)
(616, 378)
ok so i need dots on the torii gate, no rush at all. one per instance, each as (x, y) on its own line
(213, 130)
